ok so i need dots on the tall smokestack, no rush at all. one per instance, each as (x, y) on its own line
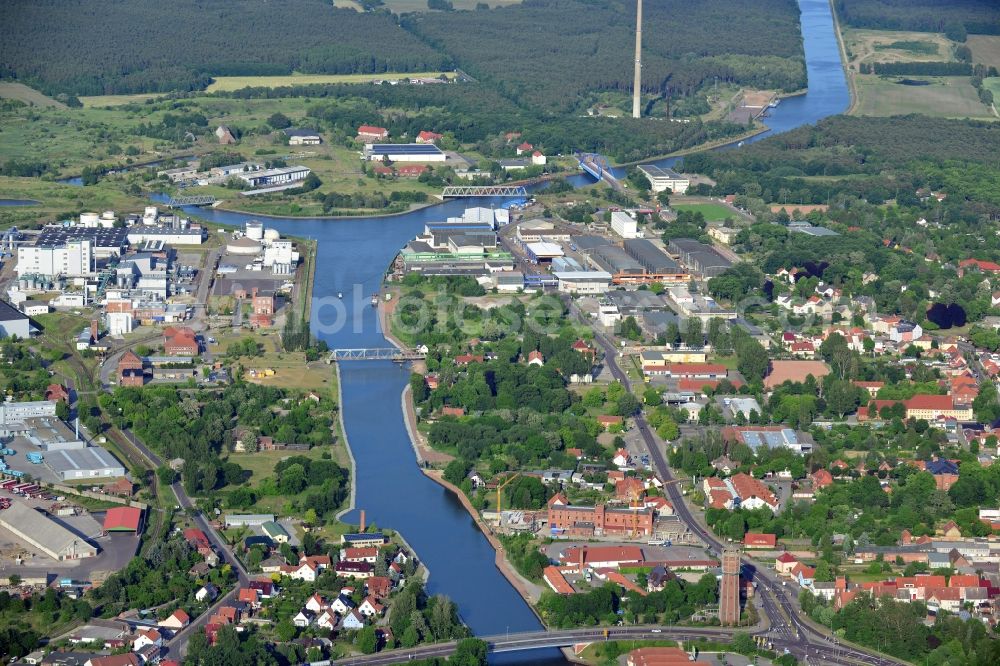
(362, 527)
(637, 82)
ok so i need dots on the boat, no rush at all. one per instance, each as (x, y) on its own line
(739, 145)
(374, 300)
(340, 294)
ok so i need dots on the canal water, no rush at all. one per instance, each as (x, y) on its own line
(352, 257)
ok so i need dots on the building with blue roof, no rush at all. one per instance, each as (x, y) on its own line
(404, 152)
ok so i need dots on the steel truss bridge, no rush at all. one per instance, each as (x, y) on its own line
(456, 191)
(203, 200)
(374, 354)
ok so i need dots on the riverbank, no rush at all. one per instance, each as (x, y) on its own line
(531, 592)
(366, 216)
(347, 444)
(852, 85)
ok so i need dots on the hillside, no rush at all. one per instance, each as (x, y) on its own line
(93, 47)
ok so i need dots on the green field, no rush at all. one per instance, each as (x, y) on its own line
(98, 101)
(985, 49)
(896, 46)
(712, 212)
(403, 6)
(946, 97)
(19, 91)
(225, 83)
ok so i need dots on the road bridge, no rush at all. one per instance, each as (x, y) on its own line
(597, 166)
(456, 191)
(374, 354)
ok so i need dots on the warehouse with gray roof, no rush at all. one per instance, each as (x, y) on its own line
(44, 534)
(614, 260)
(651, 257)
(700, 258)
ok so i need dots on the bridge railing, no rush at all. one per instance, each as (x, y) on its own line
(484, 191)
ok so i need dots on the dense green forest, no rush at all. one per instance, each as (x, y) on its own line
(94, 47)
(955, 17)
(542, 53)
(545, 53)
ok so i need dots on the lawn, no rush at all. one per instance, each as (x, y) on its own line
(225, 83)
(712, 212)
(19, 91)
(100, 101)
(946, 96)
(993, 84)
(985, 49)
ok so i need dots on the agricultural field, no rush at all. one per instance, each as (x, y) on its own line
(897, 46)
(21, 92)
(227, 83)
(403, 6)
(985, 49)
(102, 101)
(944, 96)
(713, 212)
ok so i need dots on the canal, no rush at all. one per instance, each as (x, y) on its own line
(352, 257)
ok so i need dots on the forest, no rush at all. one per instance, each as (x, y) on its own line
(545, 53)
(956, 17)
(97, 47)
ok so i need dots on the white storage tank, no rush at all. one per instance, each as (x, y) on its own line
(255, 230)
(271, 235)
(88, 219)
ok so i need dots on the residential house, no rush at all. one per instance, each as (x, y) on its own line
(759, 540)
(353, 620)
(371, 133)
(146, 637)
(360, 570)
(370, 607)
(176, 620)
(784, 563)
(207, 592)
(303, 618)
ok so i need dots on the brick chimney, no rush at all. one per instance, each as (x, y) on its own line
(93, 330)
(362, 527)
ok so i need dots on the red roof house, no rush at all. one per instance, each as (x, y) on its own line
(179, 341)
(122, 519)
(758, 540)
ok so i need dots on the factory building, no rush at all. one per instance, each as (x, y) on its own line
(659, 267)
(105, 242)
(13, 322)
(280, 176)
(190, 235)
(439, 235)
(661, 179)
(614, 260)
(73, 258)
(583, 282)
(13, 415)
(700, 258)
(404, 152)
(44, 534)
(624, 225)
(92, 462)
(535, 231)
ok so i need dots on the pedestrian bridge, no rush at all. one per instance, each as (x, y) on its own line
(191, 201)
(374, 354)
(456, 191)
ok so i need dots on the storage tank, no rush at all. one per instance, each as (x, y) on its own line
(88, 219)
(149, 211)
(271, 235)
(255, 230)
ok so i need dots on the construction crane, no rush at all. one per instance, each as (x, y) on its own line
(500, 486)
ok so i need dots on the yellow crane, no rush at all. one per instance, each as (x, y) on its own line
(500, 486)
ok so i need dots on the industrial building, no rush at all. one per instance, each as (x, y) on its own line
(624, 225)
(303, 137)
(659, 267)
(14, 414)
(583, 282)
(542, 251)
(105, 242)
(700, 258)
(39, 531)
(13, 322)
(404, 152)
(439, 235)
(247, 519)
(662, 179)
(280, 176)
(535, 231)
(614, 260)
(72, 258)
(92, 462)
(186, 234)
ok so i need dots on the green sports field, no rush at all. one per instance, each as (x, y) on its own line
(712, 212)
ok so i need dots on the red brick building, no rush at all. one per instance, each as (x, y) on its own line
(179, 341)
(601, 520)
(263, 309)
(130, 370)
(57, 392)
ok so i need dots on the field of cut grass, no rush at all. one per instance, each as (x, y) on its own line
(19, 91)
(945, 97)
(712, 212)
(985, 49)
(897, 46)
(100, 101)
(226, 83)
(993, 84)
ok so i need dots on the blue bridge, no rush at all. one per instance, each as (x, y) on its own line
(597, 166)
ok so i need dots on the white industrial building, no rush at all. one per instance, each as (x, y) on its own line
(91, 462)
(119, 323)
(14, 414)
(184, 235)
(583, 282)
(74, 258)
(280, 176)
(38, 531)
(624, 225)
(247, 519)
(661, 179)
(404, 152)
(13, 322)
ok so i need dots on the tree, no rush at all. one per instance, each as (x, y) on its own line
(469, 652)
(652, 397)
(743, 643)
(456, 471)
(279, 121)
(366, 640)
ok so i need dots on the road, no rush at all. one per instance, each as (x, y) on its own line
(178, 644)
(787, 621)
(832, 654)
